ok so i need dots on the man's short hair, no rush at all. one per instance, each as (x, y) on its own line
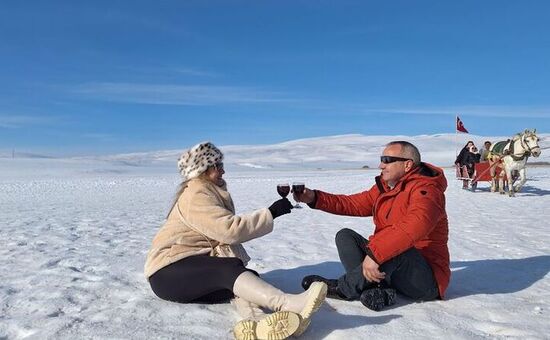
(409, 151)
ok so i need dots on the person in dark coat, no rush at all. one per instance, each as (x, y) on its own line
(471, 157)
(467, 157)
(461, 158)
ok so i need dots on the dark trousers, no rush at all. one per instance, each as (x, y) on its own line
(408, 272)
(198, 279)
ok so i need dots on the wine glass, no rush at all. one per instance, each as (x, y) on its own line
(298, 188)
(283, 189)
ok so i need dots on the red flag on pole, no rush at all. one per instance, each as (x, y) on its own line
(459, 126)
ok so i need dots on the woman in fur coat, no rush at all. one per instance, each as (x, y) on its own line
(183, 265)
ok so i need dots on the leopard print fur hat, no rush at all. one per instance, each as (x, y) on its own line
(196, 160)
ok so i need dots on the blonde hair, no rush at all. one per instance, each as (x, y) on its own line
(180, 189)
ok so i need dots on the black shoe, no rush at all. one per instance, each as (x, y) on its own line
(333, 291)
(389, 296)
(377, 298)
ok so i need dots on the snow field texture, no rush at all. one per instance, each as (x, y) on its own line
(74, 245)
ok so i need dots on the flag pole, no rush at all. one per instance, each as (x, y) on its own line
(456, 135)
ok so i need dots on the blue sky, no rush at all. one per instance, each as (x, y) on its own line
(99, 77)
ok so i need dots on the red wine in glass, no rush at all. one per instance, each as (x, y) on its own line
(298, 187)
(283, 189)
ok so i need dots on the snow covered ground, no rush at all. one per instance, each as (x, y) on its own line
(73, 249)
(75, 232)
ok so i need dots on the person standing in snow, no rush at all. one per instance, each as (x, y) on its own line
(472, 156)
(183, 265)
(408, 251)
(460, 158)
(467, 157)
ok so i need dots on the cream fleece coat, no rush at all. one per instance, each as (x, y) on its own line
(209, 209)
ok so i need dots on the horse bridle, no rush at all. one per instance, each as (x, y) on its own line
(526, 146)
(528, 150)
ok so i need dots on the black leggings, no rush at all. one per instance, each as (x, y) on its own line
(198, 279)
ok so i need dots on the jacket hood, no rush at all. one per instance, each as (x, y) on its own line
(425, 171)
(429, 173)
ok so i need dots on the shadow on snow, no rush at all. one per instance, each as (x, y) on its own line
(496, 276)
(527, 190)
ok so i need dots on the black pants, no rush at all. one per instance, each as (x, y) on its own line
(408, 273)
(198, 279)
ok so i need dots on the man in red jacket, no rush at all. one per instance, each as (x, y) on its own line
(408, 251)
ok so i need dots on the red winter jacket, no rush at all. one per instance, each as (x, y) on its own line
(412, 214)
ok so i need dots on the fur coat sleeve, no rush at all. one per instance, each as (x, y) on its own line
(209, 210)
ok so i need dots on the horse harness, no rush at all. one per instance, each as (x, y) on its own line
(499, 149)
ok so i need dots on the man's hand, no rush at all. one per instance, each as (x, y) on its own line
(370, 270)
(307, 196)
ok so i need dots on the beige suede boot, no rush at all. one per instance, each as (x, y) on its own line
(258, 325)
(247, 309)
(275, 326)
(252, 288)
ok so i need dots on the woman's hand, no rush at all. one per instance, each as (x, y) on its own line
(280, 207)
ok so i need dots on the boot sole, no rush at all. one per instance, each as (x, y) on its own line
(377, 298)
(276, 326)
(373, 299)
(245, 330)
(316, 299)
(389, 296)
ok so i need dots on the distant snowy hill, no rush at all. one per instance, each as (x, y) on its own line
(326, 153)
(332, 152)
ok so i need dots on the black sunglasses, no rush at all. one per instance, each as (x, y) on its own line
(391, 159)
(218, 166)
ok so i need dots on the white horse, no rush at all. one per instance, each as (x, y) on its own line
(513, 155)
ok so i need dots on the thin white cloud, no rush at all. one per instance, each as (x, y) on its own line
(474, 110)
(101, 137)
(168, 94)
(170, 70)
(196, 72)
(502, 111)
(21, 121)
